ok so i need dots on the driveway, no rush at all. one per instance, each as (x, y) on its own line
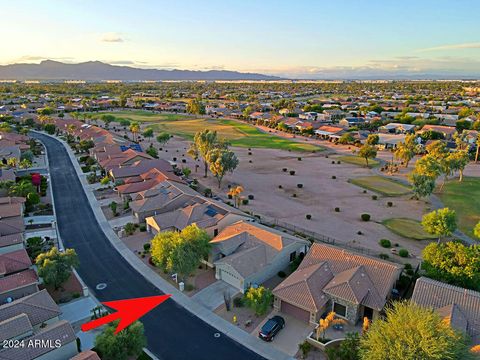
(294, 333)
(212, 296)
(165, 326)
(78, 310)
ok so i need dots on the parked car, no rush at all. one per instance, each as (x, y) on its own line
(271, 328)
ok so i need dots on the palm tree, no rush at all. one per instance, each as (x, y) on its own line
(235, 193)
(324, 324)
(135, 129)
(23, 188)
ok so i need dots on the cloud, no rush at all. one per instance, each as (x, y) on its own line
(475, 45)
(111, 37)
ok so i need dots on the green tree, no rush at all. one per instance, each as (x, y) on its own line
(348, 349)
(367, 152)
(372, 139)
(405, 151)
(346, 139)
(411, 332)
(203, 142)
(476, 230)
(458, 160)
(195, 106)
(127, 344)
(152, 151)
(107, 119)
(163, 138)
(55, 267)
(180, 252)
(22, 188)
(148, 133)
(50, 128)
(441, 222)
(453, 263)
(259, 299)
(423, 185)
(113, 207)
(221, 162)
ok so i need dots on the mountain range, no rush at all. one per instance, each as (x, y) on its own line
(98, 71)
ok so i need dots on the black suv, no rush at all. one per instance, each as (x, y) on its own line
(271, 328)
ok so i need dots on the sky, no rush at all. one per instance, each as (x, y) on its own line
(293, 38)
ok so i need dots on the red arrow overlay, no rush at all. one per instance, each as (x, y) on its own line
(128, 311)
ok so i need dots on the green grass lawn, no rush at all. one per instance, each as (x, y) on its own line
(464, 198)
(356, 160)
(381, 185)
(238, 133)
(408, 228)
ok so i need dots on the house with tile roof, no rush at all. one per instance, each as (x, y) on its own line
(17, 285)
(39, 308)
(13, 262)
(459, 306)
(333, 279)
(60, 339)
(212, 216)
(86, 355)
(247, 253)
(141, 167)
(161, 198)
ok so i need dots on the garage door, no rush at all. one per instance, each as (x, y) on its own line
(295, 311)
(231, 279)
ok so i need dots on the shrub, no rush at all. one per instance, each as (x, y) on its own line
(308, 216)
(143, 228)
(337, 209)
(408, 266)
(281, 274)
(174, 159)
(280, 186)
(359, 232)
(238, 302)
(389, 204)
(129, 228)
(364, 191)
(245, 201)
(365, 217)
(251, 197)
(385, 243)
(305, 347)
(374, 197)
(146, 246)
(184, 161)
(334, 177)
(249, 153)
(250, 161)
(292, 172)
(338, 162)
(189, 287)
(230, 196)
(333, 161)
(299, 159)
(294, 195)
(403, 253)
(299, 186)
(207, 192)
(284, 169)
(384, 256)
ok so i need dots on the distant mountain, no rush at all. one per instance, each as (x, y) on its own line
(98, 71)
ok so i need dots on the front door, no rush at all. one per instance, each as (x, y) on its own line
(368, 313)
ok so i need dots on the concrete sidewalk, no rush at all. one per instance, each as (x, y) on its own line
(251, 342)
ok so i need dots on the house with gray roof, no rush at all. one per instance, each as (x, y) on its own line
(459, 306)
(247, 253)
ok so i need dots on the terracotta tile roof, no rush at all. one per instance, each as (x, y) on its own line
(331, 129)
(439, 128)
(10, 210)
(304, 287)
(14, 261)
(12, 225)
(12, 200)
(15, 326)
(39, 307)
(453, 301)
(355, 278)
(12, 239)
(142, 166)
(18, 280)
(86, 355)
(61, 330)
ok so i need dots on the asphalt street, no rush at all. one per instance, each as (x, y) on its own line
(172, 331)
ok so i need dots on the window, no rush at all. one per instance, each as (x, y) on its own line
(340, 309)
(293, 255)
(215, 232)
